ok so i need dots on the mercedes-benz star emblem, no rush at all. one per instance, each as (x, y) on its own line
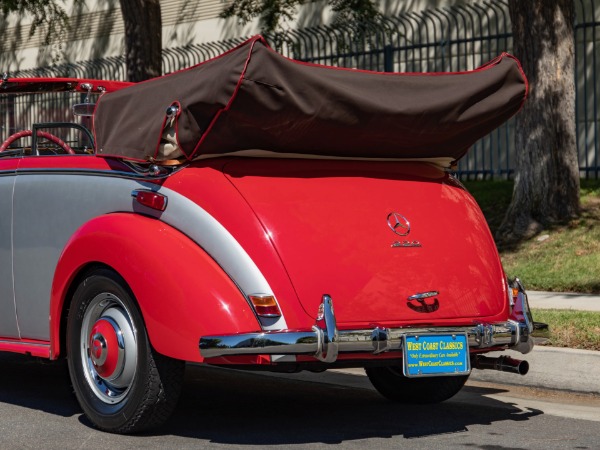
(398, 223)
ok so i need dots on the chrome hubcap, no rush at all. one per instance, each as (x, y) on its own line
(109, 348)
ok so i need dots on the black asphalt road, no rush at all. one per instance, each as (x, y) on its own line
(222, 408)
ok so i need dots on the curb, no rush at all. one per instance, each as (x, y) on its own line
(563, 369)
(551, 368)
(563, 300)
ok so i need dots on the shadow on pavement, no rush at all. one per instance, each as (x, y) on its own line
(251, 408)
(242, 408)
(37, 383)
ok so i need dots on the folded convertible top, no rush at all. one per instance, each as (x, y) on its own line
(252, 98)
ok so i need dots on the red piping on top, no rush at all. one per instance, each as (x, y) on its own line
(235, 91)
(520, 67)
(257, 38)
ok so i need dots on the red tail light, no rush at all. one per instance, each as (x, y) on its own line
(150, 199)
(265, 305)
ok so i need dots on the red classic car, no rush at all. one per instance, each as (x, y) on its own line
(253, 212)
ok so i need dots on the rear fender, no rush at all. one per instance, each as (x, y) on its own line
(182, 292)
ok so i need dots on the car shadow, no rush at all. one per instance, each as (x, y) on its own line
(254, 408)
(37, 383)
(232, 407)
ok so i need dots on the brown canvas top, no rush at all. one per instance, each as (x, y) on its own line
(252, 98)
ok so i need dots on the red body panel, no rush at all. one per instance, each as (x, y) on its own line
(183, 297)
(312, 228)
(40, 349)
(206, 185)
(328, 222)
(85, 162)
(35, 85)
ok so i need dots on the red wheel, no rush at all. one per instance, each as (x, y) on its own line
(25, 133)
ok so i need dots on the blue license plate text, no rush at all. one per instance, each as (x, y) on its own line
(436, 354)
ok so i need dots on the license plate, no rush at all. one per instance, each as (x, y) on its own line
(436, 354)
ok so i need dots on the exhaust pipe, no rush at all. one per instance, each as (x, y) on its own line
(502, 364)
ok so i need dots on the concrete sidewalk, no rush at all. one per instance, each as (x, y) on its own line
(552, 367)
(565, 369)
(559, 300)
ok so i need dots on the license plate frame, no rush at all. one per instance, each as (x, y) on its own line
(435, 354)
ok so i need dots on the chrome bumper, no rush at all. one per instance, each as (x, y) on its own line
(325, 342)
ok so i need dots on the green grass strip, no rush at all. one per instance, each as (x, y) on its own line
(569, 328)
(564, 257)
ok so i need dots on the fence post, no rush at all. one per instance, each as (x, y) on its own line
(388, 58)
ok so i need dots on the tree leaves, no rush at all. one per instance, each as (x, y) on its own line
(273, 13)
(44, 13)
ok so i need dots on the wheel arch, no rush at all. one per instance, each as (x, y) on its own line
(180, 290)
(67, 298)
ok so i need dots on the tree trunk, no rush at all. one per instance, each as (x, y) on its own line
(546, 188)
(143, 38)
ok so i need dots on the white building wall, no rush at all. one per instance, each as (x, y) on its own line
(97, 29)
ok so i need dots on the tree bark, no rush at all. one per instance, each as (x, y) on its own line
(546, 188)
(143, 38)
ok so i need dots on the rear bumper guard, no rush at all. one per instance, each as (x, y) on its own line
(325, 342)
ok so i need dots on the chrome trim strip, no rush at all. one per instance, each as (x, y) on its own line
(93, 172)
(9, 328)
(325, 342)
(12, 256)
(24, 344)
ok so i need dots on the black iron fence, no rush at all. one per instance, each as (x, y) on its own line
(587, 57)
(21, 111)
(454, 38)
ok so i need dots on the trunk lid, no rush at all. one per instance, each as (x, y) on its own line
(373, 234)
